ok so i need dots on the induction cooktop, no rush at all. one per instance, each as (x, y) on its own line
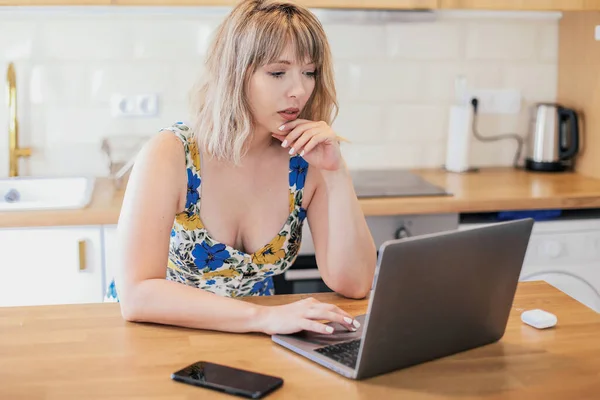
(393, 183)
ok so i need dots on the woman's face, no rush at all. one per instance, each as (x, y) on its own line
(279, 91)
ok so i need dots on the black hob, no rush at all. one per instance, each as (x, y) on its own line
(393, 183)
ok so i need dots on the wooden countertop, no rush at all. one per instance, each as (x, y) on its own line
(490, 190)
(89, 352)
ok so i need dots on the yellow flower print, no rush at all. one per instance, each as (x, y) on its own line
(291, 201)
(189, 222)
(194, 153)
(271, 252)
(228, 273)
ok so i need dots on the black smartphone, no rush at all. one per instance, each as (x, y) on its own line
(227, 379)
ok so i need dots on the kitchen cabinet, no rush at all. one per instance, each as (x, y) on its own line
(522, 5)
(364, 4)
(54, 265)
(516, 5)
(55, 2)
(110, 249)
(579, 83)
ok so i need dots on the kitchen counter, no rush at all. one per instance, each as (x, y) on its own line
(493, 189)
(89, 352)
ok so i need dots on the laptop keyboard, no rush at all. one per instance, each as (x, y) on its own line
(345, 353)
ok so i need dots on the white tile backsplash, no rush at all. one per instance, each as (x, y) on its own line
(425, 41)
(395, 78)
(59, 83)
(162, 40)
(349, 43)
(78, 39)
(16, 39)
(136, 77)
(361, 122)
(501, 41)
(388, 81)
(527, 77)
(548, 43)
(415, 124)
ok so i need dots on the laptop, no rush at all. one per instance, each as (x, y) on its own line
(433, 296)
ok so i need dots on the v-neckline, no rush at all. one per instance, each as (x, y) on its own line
(243, 253)
(292, 202)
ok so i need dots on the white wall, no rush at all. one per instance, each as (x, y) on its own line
(395, 78)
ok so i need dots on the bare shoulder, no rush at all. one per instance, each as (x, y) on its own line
(162, 154)
(164, 147)
(160, 166)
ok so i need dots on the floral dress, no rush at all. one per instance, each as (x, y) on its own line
(198, 260)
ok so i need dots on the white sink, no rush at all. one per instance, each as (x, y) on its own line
(45, 193)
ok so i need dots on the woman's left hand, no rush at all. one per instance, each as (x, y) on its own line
(316, 142)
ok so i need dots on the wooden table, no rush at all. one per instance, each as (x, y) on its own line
(90, 352)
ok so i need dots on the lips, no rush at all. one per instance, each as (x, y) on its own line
(289, 114)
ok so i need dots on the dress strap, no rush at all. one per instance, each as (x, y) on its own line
(297, 178)
(190, 145)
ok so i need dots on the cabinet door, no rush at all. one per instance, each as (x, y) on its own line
(559, 5)
(55, 2)
(372, 4)
(56, 265)
(110, 250)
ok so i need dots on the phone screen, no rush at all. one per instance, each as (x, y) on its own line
(228, 379)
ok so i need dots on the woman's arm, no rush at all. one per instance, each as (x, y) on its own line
(344, 248)
(152, 199)
(155, 192)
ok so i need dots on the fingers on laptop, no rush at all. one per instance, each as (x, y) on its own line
(320, 314)
(314, 326)
(330, 312)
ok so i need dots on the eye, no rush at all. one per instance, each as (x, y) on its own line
(276, 74)
(311, 74)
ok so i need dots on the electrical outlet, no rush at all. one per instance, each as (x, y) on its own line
(497, 101)
(141, 105)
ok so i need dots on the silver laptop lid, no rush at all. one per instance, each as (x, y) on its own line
(440, 294)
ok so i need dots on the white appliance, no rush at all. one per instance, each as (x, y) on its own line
(566, 254)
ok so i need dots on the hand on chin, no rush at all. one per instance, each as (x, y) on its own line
(314, 141)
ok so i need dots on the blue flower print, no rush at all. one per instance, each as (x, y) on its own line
(302, 214)
(211, 282)
(212, 257)
(263, 288)
(298, 168)
(173, 233)
(192, 191)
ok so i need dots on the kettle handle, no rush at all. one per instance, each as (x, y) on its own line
(572, 150)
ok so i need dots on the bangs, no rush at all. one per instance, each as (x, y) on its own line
(282, 28)
(256, 33)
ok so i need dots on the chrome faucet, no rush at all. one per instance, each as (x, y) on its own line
(14, 151)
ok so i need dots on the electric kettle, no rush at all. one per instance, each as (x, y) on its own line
(553, 140)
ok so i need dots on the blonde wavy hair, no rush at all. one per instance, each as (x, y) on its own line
(255, 33)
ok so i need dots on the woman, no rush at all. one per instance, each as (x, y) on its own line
(218, 206)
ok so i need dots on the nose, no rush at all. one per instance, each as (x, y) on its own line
(298, 86)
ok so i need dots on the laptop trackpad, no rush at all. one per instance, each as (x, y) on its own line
(340, 333)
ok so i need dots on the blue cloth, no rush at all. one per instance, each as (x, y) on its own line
(537, 215)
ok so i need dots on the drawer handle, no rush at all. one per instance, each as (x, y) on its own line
(82, 255)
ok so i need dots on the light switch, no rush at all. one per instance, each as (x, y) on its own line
(597, 35)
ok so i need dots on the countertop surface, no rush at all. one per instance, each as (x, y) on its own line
(490, 190)
(89, 352)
